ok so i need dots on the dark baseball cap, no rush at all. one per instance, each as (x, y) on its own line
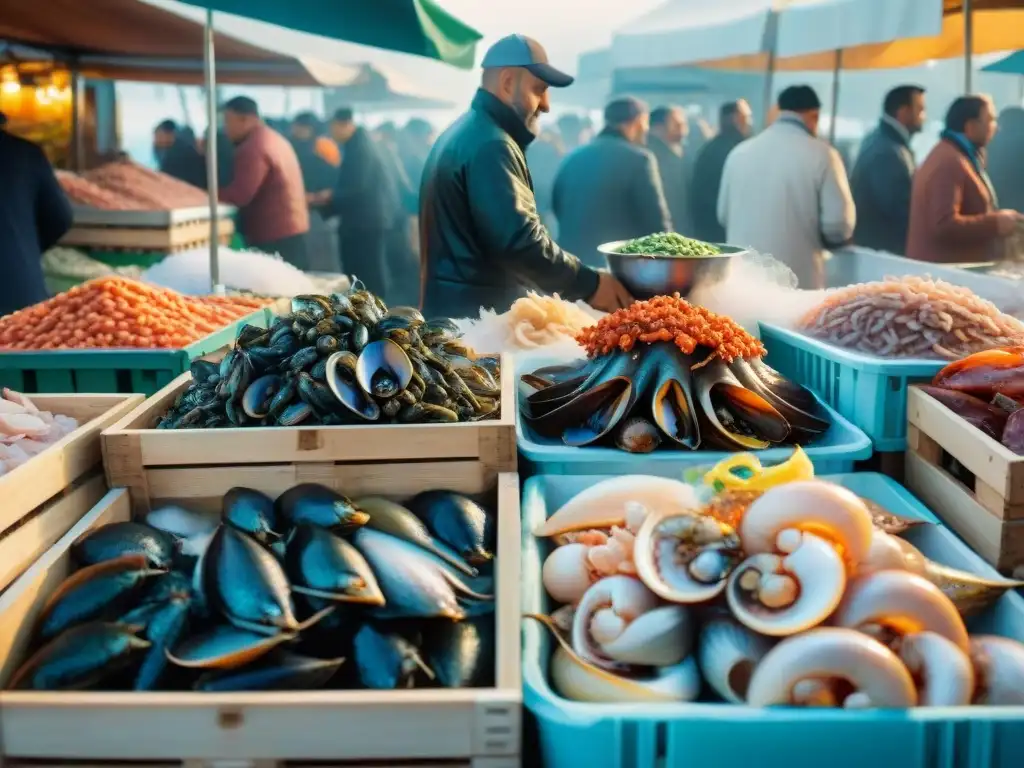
(525, 52)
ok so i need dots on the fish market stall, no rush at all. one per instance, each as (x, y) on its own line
(965, 452)
(51, 470)
(693, 617)
(125, 213)
(312, 674)
(113, 334)
(339, 378)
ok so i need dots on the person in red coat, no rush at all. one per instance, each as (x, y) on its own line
(954, 212)
(267, 186)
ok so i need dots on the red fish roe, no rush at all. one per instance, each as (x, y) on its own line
(669, 318)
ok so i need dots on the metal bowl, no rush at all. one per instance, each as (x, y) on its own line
(649, 275)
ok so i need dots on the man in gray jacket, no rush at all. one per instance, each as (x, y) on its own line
(669, 129)
(610, 189)
(884, 170)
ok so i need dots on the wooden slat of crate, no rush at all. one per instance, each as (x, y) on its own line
(988, 514)
(471, 727)
(998, 471)
(133, 446)
(50, 472)
(148, 238)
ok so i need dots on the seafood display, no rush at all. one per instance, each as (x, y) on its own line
(666, 372)
(119, 313)
(911, 317)
(669, 244)
(986, 390)
(774, 589)
(25, 430)
(531, 322)
(342, 359)
(127, 186)
(309, 591)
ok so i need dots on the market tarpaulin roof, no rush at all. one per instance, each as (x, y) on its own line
(419, 27)
(131, 40)
(998, 25)
(1008, 65)
(739, 35)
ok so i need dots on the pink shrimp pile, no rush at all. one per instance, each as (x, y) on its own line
(25, 430)
(911, 317)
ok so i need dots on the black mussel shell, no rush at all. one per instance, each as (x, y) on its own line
(294, 414)
(314, 504)
(326, 345)
(259, 395)
(116, 540)
(386, 659)
(225, 647)
(278, 671)
(425, 413)
(284, 397)
(323, 565)
(79, 658)
(459, 522)
(93, 593)
(410, 313)
(461, 653)
(169, 586)
(251, 336)
(319, 371)
(316, 394)
(252, 512)
(315, 306)
(360, 337)
(247, 583)
(282, 334)
(164, 630)
(203, 369)
(302, 359)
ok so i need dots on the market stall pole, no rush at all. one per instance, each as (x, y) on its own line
(210, 73)
(968, 46)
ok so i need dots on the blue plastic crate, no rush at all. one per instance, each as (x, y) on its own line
(832, 453)
(870, 391)
(730, 736)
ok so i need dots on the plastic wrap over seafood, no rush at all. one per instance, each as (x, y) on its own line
(911, 317)
(300, 592)
(778, 589)
(665, 372)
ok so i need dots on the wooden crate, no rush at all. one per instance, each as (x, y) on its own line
(469, 727)
(45, 496)
(986, 508)
(133, 445)
(166, 239)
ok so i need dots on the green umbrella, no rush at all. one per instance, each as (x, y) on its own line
(420, 27)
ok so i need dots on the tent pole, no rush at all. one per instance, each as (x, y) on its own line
(835, 97)
(968, 46)
(210, 76)
(78, 107)
(769, 87)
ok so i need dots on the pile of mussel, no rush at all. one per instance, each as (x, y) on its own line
(312, 590)
(341, 359)
(798, 594)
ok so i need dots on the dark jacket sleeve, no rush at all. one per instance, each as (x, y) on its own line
(355, 178)
(649, 196)
(889, 180)
(53, 211)
(505, 215)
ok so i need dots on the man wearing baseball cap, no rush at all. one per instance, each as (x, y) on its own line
(482, 243)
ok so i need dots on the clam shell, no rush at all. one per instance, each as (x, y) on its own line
(279, 671)
(648, 633)
(999, 666)
(575, 678)
(827, 510)
(458, 522)
(566, 573)
(880, 678)
(903, 602)
(945, 671)
(164, 629)
(728, 653)
(603, 504)
(320, 564)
